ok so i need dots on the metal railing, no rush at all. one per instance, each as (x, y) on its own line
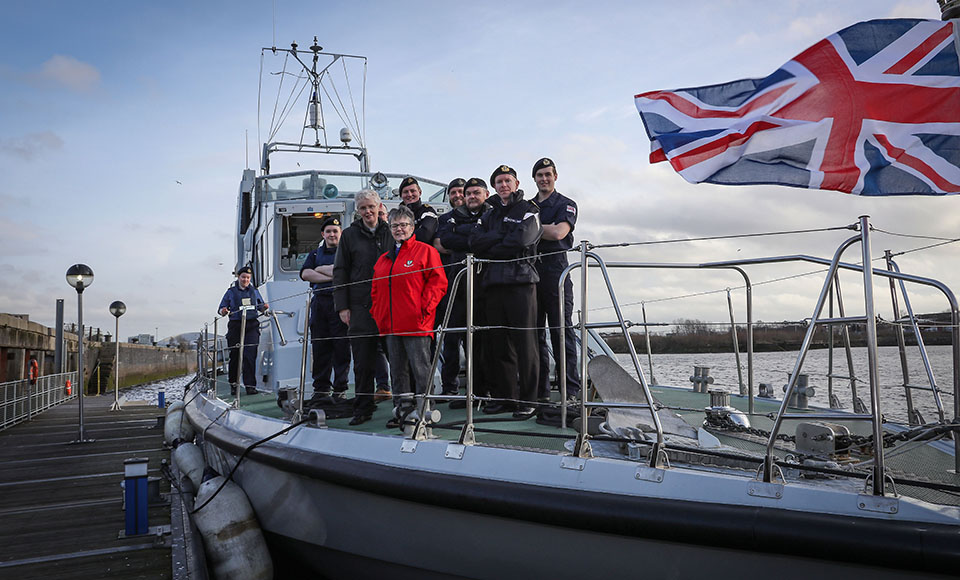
(21, 400)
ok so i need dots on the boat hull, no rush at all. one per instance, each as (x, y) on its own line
(346, 516)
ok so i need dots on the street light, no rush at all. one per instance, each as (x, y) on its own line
(79, 276)
(117, 308)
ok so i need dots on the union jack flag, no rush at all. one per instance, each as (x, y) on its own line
(872, 110)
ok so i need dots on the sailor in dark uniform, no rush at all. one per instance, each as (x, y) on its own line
(453, 237)
(508, 234)
(331, 349)
(426, 216)
(558, 214)
(242, 299)
(455, 199)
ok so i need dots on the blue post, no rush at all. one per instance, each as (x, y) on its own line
(160, 402)
(135, 495)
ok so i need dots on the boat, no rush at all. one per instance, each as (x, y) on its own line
(660, 481)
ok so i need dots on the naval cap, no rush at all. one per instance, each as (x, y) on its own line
(330, 220)
(475, 182)
(503, 170)
(245, 270)
(458, 182)
(407, 181)
(545, 162)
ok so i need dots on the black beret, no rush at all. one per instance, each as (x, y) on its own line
(545, 162)
(408, 181)
(330, 220)
(475, 182)
(458, 182)
(503, 170)
(245, 270)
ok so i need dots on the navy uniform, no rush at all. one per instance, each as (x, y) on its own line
(425, 217)
(331, 349)
(555, 209)
(233, 299)
(509, 233)
(454, 234)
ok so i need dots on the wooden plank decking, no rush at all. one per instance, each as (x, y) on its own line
(60, 502)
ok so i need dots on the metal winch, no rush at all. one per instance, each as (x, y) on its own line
(720, 413)
(820, 438)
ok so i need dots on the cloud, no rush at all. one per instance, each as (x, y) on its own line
(66, 71)
(915, 9)
(29, 147)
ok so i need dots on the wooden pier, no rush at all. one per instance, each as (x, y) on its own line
(61, 510)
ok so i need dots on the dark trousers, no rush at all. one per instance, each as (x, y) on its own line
(450, 354)
(548, 313)
(365, 344)
(331, 349)
(511, 357)
(409, 363)
(250, 344)
(450, 367)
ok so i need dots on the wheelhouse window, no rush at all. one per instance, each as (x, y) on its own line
(299, 235)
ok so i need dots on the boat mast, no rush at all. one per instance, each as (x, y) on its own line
(314, 115)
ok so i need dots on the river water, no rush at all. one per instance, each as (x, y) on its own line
(769, 367)
(774, 367)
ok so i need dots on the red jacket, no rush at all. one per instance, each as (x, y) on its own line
(407, 286)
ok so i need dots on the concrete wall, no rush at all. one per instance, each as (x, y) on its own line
(20, 339)
(140, 363)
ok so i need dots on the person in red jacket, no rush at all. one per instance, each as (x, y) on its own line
(408, 283)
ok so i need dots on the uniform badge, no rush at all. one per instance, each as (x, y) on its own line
(409, 263)
(504, 168)
(572, 209)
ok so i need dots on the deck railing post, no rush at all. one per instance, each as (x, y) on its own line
(467, 436)
(303, 357)
(870, 308)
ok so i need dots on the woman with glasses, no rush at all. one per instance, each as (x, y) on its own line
(408, 283)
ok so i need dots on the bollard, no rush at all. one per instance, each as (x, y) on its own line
(135, 496)
(161, 403)
(701, 378)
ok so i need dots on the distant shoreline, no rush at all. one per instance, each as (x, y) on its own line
(768, 338)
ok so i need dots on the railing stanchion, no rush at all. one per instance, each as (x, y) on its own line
(467, 436)
(303, 358)
(582, 448)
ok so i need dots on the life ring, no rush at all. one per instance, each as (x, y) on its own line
(34, 371)
(69, 388)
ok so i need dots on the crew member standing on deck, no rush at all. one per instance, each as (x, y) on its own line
(426, 216)
(331, 350)
(558, 215)
(508, 234)
(455, 199)
(454, 237)
(243, 300)
(360, 246)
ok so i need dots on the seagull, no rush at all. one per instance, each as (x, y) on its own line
(178, 183)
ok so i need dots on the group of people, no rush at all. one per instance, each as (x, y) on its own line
(382, 284)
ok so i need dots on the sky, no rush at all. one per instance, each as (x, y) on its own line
(126, 125)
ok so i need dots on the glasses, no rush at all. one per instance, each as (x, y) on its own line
(401, 226)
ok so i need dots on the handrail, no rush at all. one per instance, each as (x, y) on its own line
(20, 401)
(692, 266)
(891, 265)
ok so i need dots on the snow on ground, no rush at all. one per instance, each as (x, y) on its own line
(172, 390)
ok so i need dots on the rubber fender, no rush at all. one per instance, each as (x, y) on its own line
(176, 426)
(189, 460)
(235, 546)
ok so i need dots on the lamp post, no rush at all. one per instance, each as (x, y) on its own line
(117, 308)
(79, 276)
